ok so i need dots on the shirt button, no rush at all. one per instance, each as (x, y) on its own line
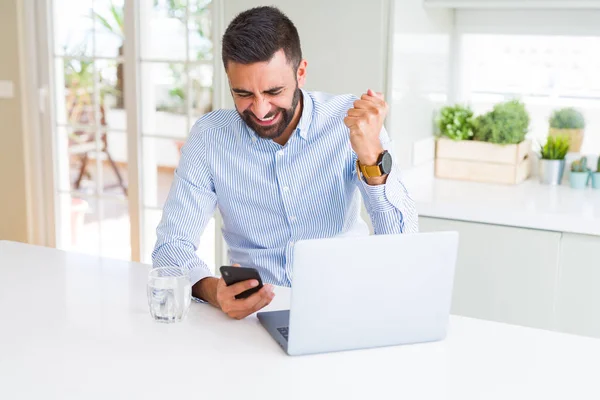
(381, 198)
(291, 244)
(280, 153)
(286, 189)
(254, 139)
(292, 218)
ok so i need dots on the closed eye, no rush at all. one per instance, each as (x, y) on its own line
(275, 92)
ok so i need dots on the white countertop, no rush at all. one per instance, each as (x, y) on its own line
(77, 327)
(528, 205)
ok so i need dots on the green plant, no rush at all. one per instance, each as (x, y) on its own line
(78, 74)
(456, 122)
(567, 118)
(580, 165)
(200, 22)
(115, 22)
(556, 148)
(507, 123)
(598, 165)
(196, 16)
(178, 93)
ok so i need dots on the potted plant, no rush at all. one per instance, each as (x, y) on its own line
(570, 122)
(552, 162)
(456, 122)
(596, 176)
(507, 123)
(498, 151)
(580, 174)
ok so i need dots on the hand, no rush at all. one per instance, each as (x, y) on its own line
(365, 121)
(216, 292)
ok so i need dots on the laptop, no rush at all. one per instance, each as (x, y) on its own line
(363, 292)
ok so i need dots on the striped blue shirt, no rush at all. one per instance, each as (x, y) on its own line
(271, 196)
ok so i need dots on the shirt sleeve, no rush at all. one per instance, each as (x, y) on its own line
(189, 206)
(389, 205)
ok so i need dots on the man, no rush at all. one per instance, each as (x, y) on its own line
(285, 165)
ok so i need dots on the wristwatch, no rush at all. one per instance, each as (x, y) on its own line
(383, 166)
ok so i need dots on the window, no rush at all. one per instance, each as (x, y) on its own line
(545, 71)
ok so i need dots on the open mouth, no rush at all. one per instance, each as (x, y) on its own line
(267, 121)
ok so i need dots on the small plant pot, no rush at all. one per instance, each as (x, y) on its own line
(595, 180)
(551, 171)
(579, 180)
(575, 137)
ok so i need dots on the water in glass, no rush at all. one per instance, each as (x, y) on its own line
(169, 294)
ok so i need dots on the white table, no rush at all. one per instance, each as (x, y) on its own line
(78, 327)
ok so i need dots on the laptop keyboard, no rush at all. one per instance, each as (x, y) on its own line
(284, 332)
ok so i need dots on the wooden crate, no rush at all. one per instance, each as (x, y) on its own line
(482, 162)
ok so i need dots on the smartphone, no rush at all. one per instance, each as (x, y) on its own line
(233, 275)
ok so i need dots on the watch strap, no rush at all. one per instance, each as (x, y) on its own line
(368, 171)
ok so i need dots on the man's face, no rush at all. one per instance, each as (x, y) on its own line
(266, 94)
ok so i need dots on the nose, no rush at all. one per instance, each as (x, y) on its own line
(261, 107)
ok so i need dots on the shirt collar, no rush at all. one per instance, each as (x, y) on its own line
(307, 112)
(303, 124)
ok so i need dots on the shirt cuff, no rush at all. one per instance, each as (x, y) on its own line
(196, 275)
(379, 195)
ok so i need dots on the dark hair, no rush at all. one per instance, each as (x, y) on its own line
(255, 35)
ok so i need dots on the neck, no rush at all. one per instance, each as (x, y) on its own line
(285, 136)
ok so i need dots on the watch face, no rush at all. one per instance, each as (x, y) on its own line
(386, 163)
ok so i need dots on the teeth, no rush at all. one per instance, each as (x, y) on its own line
(267, 119)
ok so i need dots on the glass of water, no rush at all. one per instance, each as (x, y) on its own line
(169, 294)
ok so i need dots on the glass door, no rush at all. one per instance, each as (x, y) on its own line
(176, 67)
(170, 68)
(90, 128)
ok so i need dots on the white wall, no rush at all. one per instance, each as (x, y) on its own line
(13, 161)
(419, 74)
(531, 22)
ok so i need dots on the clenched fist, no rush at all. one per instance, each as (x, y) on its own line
(365, 121)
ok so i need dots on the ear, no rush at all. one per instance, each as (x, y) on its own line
(301, 73)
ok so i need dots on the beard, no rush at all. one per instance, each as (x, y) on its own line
(277, 129)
